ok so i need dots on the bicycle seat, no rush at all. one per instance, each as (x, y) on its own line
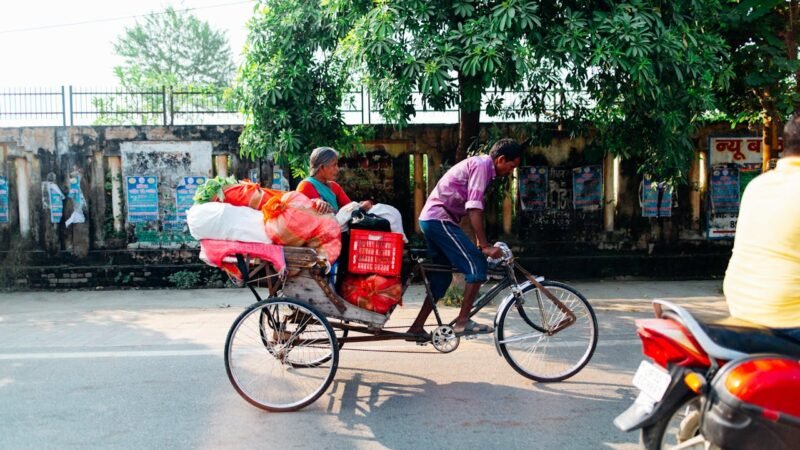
(748, 337)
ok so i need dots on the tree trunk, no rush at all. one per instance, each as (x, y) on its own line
(469, 121)
(770, 137)
(791, 40)
(770, 133)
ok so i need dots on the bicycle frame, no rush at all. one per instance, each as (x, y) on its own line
(508, 279)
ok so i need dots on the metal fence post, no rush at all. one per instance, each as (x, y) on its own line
(369, 110)
(71, 120)
(164, 103)
(63, 107)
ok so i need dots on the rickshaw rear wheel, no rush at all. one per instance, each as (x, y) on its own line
(281, 354)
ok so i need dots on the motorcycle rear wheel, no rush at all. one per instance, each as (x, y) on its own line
(674, 428)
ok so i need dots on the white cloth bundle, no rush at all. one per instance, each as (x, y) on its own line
(222, 221)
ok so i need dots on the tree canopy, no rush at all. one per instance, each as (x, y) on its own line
(173, 48)
(641, 72)
(292, 83)
(762, 36)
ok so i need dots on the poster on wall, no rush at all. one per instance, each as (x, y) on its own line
(3, 200)
(172, 223)
(75, 193)
(184, 195)
(175, 222)
(533, 186)
(725, 188)
(55, 201)
(587, 187)
(739, 155)
(746, 175)
(656, 198)
(142, 199)
(558, 215)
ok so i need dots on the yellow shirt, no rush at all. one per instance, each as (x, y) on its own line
(762, 283)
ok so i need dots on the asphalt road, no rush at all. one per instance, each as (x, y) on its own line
(144, 369)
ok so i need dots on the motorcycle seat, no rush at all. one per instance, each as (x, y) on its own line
(748, 337)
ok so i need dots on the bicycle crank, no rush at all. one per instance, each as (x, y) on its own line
(444, 339)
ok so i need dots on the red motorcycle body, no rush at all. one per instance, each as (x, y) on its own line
(754, 403)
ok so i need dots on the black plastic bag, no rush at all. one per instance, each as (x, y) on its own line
(362, 220)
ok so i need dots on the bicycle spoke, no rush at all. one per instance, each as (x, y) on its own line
(280, 356)
(548, 356)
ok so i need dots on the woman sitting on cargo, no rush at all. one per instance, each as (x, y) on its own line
(320, 186)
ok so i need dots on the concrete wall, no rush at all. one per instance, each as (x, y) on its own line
(32, 157)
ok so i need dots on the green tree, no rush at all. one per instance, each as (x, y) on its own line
(762, 35)
(292, 83)
(641, 71)
(169, 49)
(173, 48)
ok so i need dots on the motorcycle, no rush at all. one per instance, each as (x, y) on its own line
(667, 411)
(751, 403)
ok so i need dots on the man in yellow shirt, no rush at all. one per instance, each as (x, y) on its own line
(762, 283)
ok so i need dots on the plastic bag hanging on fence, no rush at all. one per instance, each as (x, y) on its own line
(292, 220)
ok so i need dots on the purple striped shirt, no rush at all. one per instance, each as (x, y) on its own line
(460, 189)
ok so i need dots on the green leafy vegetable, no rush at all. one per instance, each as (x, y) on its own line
(212, 189)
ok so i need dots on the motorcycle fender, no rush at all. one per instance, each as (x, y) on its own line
(640, 415)
(509, 298)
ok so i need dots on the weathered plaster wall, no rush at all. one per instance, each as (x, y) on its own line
(58, 154)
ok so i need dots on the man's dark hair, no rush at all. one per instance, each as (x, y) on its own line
(506, 147)
(791, 136)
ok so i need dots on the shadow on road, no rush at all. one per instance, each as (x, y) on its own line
(411, 410)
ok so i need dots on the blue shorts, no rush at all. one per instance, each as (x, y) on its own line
(447, 244)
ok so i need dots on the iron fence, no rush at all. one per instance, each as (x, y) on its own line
(71, 106)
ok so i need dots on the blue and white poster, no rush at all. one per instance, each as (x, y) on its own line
(142, 199)
(75, 193)
(3, 200)
(725, 189)
(173, 223)
(587, 187)
(656, 198)
(533, 188)
(56, 202)
(184, 195)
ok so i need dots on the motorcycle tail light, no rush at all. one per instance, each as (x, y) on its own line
(696, 382)
(667, 342)
(770, 383)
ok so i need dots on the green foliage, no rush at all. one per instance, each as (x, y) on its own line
(641, 71)
(453, 297)
(169, 51)
(212, 189)
(292, 84)
(763, 80)
(185, 279)
(173, 48)
(123, 278)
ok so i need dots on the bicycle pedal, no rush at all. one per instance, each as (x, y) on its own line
(470, 337)
(422, 344)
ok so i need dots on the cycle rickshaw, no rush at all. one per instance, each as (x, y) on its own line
(282, 352)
